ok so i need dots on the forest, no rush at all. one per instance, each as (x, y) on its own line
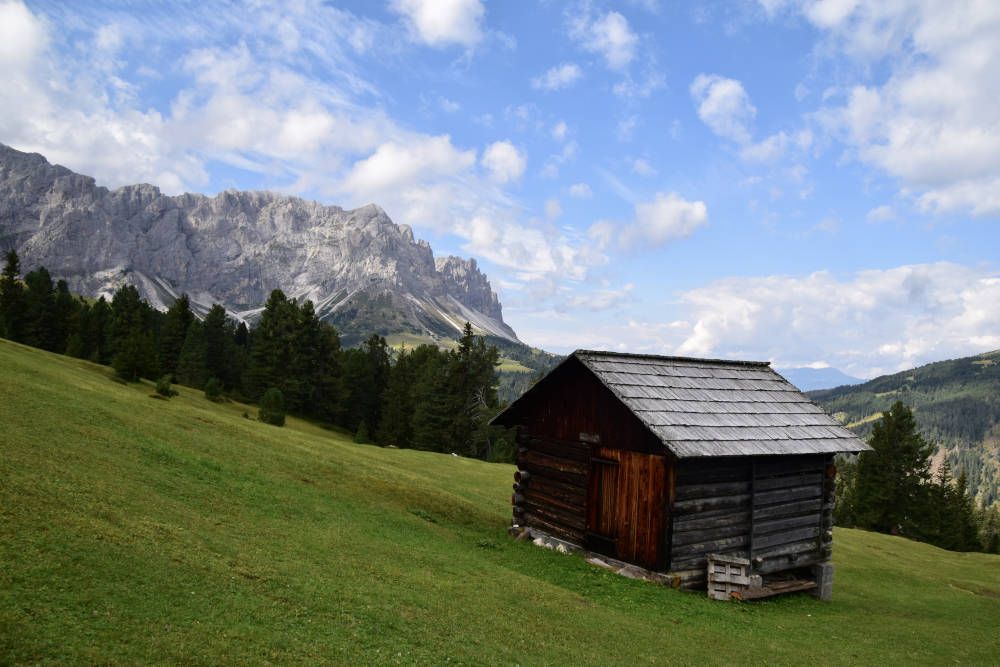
(423, 398)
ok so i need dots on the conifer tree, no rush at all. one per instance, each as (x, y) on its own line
(67, 317)
(191, 368)
(175, 328)
(397, 402)
(272, 407)
(97, 333)
(892, 478)
(12, 305)
(40, 301)
(271, 345)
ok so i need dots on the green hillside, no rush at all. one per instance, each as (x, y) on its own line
(957, 406)
(135, 530)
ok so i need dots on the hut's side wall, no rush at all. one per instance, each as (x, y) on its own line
(776, 511)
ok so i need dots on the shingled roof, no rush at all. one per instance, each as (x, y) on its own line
(714, 407)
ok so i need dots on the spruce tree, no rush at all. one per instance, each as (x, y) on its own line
(271, 346)
(12, 300)
(272, 407)
(40, 302)
(397, 403)
(964, 516)
(892, 487)
(67, 317)
(192, 370)
(97, 334)
(175, 328)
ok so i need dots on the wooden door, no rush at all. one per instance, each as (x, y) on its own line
(626, 501)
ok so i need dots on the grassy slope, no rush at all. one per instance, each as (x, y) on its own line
(141, 530)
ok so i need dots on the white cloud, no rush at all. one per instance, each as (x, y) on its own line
(873, 322)
(504, 162)
(601, 299)
(766, 150)
(932, 122)
(609, 36)
(443, 22)
(553, 209)
(580, 191)
(642, 167)
(395, 165)
(882, 213)
(560, 76)
(22, 35)
(867, 323)
(448, 106)
(724, 106)
(555, 162)
(559, 130)
(626, 127)
(667, 217)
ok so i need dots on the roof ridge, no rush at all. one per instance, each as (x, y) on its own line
(660, 357)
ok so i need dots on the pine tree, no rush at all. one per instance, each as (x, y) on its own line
(964, 516)
(272, 407)
(893, 478)
(97, 334)
(191, 368)
(136, 356)
(433, 411)
(271, 346)
(175, 328)
(12, 300)
(67, 317)
(40, 302)
(397, 402)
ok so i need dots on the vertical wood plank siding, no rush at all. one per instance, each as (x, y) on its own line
(629, 498)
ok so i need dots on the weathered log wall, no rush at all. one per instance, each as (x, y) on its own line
(550, 486)
(776, 511)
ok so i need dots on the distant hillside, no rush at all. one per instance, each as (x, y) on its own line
(956, 403)
(811, 379)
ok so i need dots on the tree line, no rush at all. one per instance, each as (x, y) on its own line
(891, 489)
(424, 398)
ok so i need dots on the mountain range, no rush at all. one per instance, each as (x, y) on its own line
(364, 273)
(811, 379)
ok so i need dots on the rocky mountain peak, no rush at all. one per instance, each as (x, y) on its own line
(357, 266)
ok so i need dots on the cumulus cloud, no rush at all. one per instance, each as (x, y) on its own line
(394, 165)
(504, 161)
(441, 23)
(608, 35)
(867, 323)
(667, 217)
(724, 106)
(22, 35)
(560, 76)
(873, 322)
(932, 121)
(882, 213)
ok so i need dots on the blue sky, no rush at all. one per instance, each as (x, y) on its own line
(809, 182)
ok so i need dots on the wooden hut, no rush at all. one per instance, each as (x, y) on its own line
(662, 461)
